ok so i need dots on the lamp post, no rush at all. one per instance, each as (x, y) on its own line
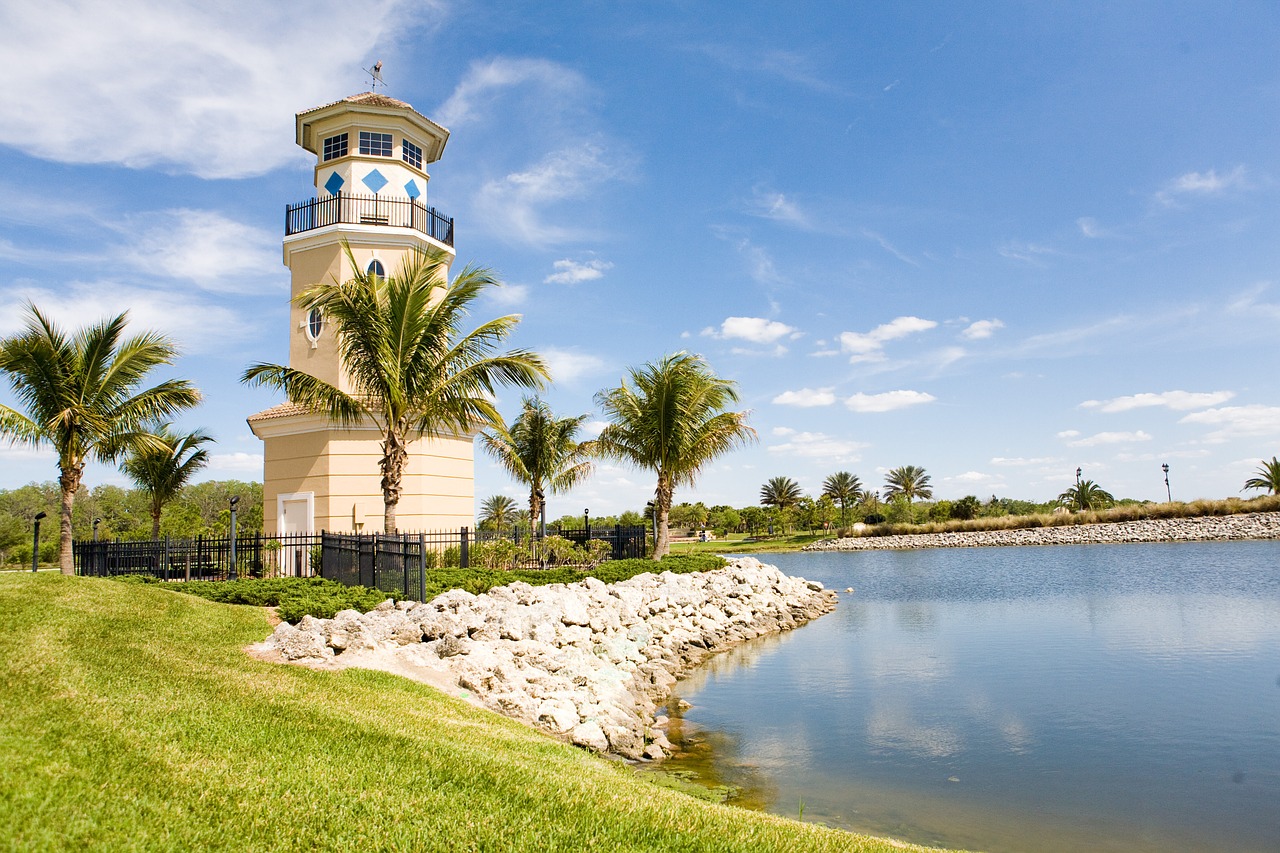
(542, 525)
(1079, 471)
(96, 522)
(1167, 492)
(231, 573)
(35, 542)
(586, 521)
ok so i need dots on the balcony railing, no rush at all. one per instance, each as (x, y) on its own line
(352, 209)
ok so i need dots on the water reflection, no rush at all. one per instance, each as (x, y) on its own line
(1016, 699)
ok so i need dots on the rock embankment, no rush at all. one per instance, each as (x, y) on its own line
(587, 661)
(1256, 525)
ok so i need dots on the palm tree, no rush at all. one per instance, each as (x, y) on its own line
(910, 481)
(413, 371)
(1086, 495)
(541, 451)
(670, 418)
(498, 511)
(162, 469)
(1268, 477)
(81, 395)
(844, 488)
(780, 492)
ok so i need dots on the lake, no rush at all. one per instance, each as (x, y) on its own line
(1064, 698)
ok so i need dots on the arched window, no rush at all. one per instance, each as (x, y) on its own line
(376, 269)
(315, 323)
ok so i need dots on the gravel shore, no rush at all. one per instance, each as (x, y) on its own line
(1256, 525)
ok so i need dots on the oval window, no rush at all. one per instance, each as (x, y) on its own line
(376, 269)
(315, 323)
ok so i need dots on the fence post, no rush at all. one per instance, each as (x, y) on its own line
(422, 566)
(464, 555)
(166, 556)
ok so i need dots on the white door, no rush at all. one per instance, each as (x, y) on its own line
(295, 518)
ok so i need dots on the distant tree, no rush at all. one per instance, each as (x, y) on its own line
(631, 518)
(1086, 495)
(725, 519)
(414, 371)
(780, 492)
(689, 515)
(163, 468)
(541, 451)
(1268, 477)
(843, 488)
(670, 417)
(83, 397)
(753, 517)
(910, 481)
(966, 508)
(497, 512)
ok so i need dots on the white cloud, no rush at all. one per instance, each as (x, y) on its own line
(867, 346)
(1108, 438)
(515, 206)
(1030, 253)
(197, 326)
(760, 265)
(1208, 183)
(217, 253)
(1089, 227)
(1069, 433)
(484, 81)
(972, 478)
(572, 272)
(568, 366)
(235, 463)
(193, 88)
(883, 242)
(1020, 461)
(815, 445)
(888, 401)
(26, 453)
(757, 330)
(509, 295)
(981, 329)
(1237, 421)
(806, 397)
(1177, 400)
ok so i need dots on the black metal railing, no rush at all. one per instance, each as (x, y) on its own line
(398, 563)
(355, 209)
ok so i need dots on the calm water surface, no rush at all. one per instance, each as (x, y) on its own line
(1014, 699)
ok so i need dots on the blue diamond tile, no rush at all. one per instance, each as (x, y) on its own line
(374, 181)
(334, 183)
(411, 189)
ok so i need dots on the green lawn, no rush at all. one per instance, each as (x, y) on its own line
(132, 719)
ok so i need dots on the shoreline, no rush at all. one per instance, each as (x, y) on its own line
(589, 663)
(1213, 528)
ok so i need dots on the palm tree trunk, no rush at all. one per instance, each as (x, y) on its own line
(155, 521)
(394, 458)
(662, 502)
(69, 482)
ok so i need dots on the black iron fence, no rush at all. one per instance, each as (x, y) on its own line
(397, 563)
(356, 209)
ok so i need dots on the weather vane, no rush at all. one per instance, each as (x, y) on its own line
(376, 73)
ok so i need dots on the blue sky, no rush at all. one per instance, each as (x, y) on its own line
(1000, 241)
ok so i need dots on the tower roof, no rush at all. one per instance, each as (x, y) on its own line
(373, 105)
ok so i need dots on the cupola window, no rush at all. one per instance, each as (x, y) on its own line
(377, 144)
(376, 270)
(411, 153)
(335, 147)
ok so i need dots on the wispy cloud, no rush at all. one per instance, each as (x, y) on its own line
(981, 329)
(1179, 401)
(888, 401)
(517, 206)
(777, 207)
(575, 272)
(1024, 461)
(1237, 421)
(1104, 438)
(815, 445)
(568, 366)
(1201, 184)
(869, 346)
(1090, 228)
(217, 253)
(1030, 253)
(473, 98)
(883, 242)
(185, 87)
(806, 397)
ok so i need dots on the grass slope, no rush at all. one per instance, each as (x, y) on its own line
(132, 719)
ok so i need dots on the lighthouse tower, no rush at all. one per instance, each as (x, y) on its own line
(371, 193)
